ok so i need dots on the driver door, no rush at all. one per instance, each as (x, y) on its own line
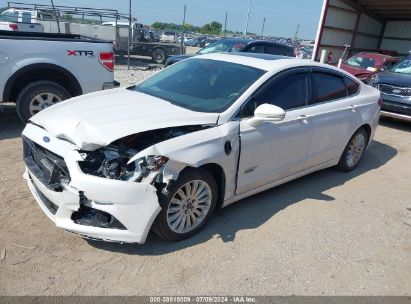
(273, 151)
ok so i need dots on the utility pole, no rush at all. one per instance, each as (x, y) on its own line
(182, 33)
(262, 29)
(129, 35)
(248, 17)
(225, 23)
(56, 16)
(296, 34)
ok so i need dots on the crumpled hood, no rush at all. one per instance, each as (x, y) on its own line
(97, 119)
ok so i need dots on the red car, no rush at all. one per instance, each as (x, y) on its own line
(364, 65)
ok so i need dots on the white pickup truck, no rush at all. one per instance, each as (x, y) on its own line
(20, 20)
(38, 70)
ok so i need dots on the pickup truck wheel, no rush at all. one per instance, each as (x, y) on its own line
(37, 96)
(159, 56)
(189, 203)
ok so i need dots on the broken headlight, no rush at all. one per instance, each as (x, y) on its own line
(112, 163)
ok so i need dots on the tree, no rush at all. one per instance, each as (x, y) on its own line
(67, 18)
(213, 28)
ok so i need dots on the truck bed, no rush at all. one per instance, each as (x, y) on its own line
(49, 37)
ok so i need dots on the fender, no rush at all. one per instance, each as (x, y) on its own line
(32, 67)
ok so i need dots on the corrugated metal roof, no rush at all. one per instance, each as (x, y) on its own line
(388, 9)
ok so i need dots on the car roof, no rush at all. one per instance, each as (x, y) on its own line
(267, 62)
(375, 56)
(253, 41)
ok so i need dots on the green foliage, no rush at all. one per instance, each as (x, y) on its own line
(174, 27)
(67, 18)
(213, 28)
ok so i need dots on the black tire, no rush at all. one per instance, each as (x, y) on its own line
(159, 56)
(35, 88)
(161, 226)
(344, 164)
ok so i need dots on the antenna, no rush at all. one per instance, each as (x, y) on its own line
(262, 29)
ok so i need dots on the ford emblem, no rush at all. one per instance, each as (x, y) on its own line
(46, 139)
(396, 91)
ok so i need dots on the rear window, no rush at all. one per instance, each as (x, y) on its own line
(9, 17)
(223, 46)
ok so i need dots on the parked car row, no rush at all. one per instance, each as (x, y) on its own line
(391, 75)
(238, 45)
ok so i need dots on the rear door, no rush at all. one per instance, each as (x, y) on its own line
(333, 112)
(275, 150)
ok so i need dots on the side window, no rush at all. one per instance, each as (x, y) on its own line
(327, 87)
(352, 86)
(288, 92)
(273, 49)
(288, 51)
(26, 17)
(257, 48)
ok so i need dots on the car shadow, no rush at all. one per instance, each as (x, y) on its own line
(10, 124)
(254, 211)
(395, 123)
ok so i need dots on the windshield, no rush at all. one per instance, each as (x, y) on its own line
(361, 62)
(222, 46)
(200, 84)
(403, 67)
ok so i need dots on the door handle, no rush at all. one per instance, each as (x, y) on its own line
(353, 107)
(303, 118)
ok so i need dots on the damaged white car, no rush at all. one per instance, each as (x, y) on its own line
(199, 135)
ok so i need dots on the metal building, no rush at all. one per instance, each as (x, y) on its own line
(364, 25)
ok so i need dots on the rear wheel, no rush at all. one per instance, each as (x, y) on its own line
(37, 96)
(159, 56)
(354, 151)
(190, 202)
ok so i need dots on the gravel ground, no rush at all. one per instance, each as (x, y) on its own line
(325, 234)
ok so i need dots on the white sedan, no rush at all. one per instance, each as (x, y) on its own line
(198, 135)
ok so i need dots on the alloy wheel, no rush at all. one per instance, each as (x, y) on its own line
(355, 149)
(42, 101)
(189, 206)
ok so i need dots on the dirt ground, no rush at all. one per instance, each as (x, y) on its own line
(328, 233)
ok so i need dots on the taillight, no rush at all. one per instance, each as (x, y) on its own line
(107, 60)
(380, 102)
(13, 27)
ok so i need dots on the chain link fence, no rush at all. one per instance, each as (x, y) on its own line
(136, 47)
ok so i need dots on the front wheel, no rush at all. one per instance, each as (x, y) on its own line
(37, 96)
(354, 151)
(189, 203)
(159, 56)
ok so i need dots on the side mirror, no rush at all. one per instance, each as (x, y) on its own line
(266, 112)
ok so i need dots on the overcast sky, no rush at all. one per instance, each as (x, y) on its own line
(282, 16)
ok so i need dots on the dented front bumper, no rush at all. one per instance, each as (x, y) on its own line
(134, 205)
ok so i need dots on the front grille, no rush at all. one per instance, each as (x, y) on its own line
(48, 167)
(394, 90)
(46, 202)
